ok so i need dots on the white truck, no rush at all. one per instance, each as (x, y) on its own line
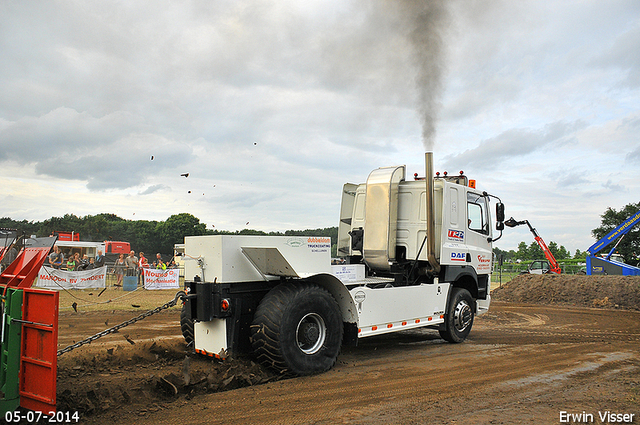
(415, 253)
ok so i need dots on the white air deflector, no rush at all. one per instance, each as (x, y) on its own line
(269, 261)
(381, 216)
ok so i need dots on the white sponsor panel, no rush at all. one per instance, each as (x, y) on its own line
(348, 272)
(51, 278)
(161, 279)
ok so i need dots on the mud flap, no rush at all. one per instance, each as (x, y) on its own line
(211, 337)
(39, 355)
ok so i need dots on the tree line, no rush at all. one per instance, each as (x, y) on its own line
(534, 252)
(144, 235)
(160, 236)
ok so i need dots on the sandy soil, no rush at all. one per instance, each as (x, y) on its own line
(522, 363)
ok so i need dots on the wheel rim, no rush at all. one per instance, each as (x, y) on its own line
(462, 316)
(311, 333)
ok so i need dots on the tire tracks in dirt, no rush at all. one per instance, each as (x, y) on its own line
(523, 364)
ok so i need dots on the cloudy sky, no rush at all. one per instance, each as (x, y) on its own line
(271, 105)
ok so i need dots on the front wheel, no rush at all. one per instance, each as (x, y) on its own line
(459, 318)
(297, 329)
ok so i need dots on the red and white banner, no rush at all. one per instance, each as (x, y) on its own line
(161, 279)
(51, 278)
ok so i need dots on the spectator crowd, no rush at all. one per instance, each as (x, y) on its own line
(131, 265)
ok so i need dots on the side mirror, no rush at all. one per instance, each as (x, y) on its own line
(500, 212)
(500, 226)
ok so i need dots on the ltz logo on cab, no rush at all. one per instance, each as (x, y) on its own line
(456, 235)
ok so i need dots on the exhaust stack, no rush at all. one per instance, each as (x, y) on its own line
(431, 227)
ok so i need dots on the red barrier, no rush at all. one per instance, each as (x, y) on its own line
(39, 350)
(22, 272)
(39, 322)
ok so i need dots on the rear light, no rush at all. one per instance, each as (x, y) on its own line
(225, 305)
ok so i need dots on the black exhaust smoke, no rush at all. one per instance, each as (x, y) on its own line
(426, 22)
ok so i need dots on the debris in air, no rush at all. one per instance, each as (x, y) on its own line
(185, 174)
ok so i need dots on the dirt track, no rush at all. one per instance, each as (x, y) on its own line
(521, 364)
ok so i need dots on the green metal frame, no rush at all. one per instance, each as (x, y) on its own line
(10, 350)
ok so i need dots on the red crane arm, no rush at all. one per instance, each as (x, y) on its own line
(555, 267)
(553, 264)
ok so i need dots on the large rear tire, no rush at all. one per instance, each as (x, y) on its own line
(297, 329)
(459, 318)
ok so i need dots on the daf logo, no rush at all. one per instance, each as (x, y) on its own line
(458, 256)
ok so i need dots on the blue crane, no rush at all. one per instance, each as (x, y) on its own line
(605, 265)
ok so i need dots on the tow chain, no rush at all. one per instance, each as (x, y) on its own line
(181, 295)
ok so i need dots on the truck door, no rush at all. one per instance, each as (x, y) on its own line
(454, 227)
(478, 232)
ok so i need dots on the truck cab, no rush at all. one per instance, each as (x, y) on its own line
(385, 228)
